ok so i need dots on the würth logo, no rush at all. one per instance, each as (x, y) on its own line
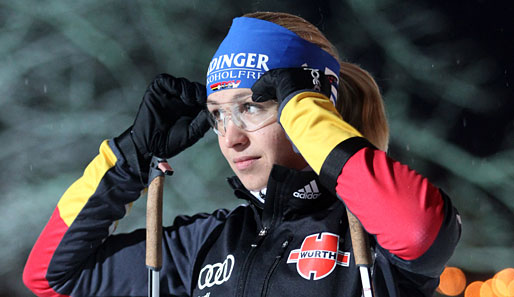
(318, 256)
(309, 191)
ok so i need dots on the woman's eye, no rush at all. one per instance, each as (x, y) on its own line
(216, 114)
(251, 108)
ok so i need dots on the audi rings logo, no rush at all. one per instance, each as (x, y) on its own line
(216, 274)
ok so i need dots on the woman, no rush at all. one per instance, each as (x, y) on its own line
(270, 98)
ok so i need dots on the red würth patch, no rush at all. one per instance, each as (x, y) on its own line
(318, 256)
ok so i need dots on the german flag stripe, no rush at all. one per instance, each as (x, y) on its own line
(69, 206)
(315, 127)
(34, 275)
(80, 191)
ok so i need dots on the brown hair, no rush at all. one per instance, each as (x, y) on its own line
(359, 100)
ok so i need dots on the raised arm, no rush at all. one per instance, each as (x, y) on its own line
(408, 216)
(76, 253)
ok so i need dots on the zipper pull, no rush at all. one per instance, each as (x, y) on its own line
(283, 249)
(284, 246)
(262, 233)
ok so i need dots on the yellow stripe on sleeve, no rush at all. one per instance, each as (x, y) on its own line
(77, 195)
(315, 127)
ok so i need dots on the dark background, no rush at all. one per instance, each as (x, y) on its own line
(72, 74)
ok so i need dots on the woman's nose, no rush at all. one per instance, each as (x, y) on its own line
(234, 136)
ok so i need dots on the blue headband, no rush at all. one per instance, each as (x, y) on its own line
(254, 46)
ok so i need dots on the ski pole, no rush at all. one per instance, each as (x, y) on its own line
(362, 253)
(158, 168)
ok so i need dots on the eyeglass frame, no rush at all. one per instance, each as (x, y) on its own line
(237, 121)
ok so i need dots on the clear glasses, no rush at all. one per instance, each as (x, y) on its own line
(244, 113)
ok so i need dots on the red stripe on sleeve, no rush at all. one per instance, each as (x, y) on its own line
(34, 275)
(393, 202)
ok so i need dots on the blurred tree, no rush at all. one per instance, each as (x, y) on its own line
(73, 74)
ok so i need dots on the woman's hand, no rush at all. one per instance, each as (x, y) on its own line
(172, 117)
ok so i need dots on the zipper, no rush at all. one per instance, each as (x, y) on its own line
(274, 266)
(246, 266)
(265, 228)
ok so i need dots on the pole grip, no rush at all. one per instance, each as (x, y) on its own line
(360, 241)
(154, 224)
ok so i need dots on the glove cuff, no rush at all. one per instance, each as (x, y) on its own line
(137, 163)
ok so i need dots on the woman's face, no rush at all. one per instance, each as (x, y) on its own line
(251, 155)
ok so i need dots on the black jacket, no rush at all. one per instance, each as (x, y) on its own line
(295, 244)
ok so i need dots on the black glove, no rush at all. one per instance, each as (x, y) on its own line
(282, 83)
(171, 118)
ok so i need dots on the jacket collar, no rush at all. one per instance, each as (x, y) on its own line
(288, 191)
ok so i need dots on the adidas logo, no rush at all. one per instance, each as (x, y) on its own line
(309, 191)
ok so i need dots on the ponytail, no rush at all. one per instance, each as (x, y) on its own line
(361, 105)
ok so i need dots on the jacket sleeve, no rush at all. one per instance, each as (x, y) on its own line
(76, 255)
(408, 216)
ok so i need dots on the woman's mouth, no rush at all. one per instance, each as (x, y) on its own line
(243, 163)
